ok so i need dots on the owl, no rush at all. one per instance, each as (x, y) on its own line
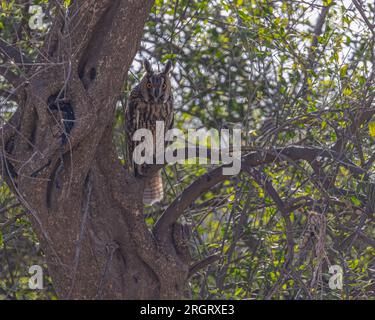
(149, 101)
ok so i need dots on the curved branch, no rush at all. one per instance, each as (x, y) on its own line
(253, 159)
(196, 267)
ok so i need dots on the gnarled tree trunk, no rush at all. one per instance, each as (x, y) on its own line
(86, 209)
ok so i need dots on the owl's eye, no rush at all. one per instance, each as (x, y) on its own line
(164, 86)
(149, 85)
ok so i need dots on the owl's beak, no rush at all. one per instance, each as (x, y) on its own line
(156, 95)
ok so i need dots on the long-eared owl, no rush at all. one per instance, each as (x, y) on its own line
(149, 101)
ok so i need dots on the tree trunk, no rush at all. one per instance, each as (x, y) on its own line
(86, 209)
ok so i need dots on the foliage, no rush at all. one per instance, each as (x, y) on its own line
(291, 73)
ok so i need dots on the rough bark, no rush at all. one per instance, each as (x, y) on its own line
(86, 209)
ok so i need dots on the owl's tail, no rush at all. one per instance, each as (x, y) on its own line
(154, 191)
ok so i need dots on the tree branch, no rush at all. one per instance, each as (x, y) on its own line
(11, 53)
(362, 13)
(268, 187)
(253, 159)
(11, 77)
(196, 267)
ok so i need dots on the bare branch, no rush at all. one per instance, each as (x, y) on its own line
(317, 32)
(362, 13)
(196, 267)
(11, 53)
(253, 159)
(268, 187)
(12, 78)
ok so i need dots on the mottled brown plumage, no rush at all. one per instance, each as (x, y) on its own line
(149, 101)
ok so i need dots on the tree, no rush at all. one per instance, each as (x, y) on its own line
(307, 166)
(91, 223)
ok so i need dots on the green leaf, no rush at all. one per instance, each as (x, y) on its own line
(168, 56)
(343, 70)
(355, 200)
(347, 91)
(371, 127)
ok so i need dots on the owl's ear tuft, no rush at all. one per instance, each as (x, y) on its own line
(147, 66)
(168, 67)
